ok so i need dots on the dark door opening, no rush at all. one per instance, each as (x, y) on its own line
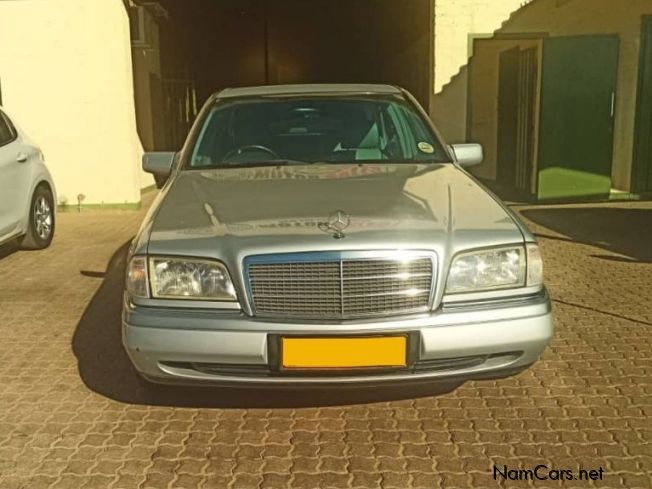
(214, 44)
(507, 116)
(642, 172)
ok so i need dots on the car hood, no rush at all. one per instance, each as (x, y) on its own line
(273, 209)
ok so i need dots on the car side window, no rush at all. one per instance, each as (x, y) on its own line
(7, 131)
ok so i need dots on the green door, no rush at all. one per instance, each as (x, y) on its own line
(642, 174)
(577, 108)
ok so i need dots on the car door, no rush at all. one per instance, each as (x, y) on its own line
(14, 178)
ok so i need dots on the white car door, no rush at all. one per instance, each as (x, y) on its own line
(14, 179)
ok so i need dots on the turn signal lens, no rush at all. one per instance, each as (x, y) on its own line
(534, 265)
(137, 283)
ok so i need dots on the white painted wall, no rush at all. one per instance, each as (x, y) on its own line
(66, 74)
(455, 21)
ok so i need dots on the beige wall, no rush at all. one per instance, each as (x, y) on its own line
(483, 97)
(455, 21)
(66, 75)
(580, 17)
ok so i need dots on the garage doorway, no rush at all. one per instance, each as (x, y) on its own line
(213, 44)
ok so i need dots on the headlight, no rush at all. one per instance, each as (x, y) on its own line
(498, 268)
(179, 278)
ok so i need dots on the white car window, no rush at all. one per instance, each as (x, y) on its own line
(7, 131)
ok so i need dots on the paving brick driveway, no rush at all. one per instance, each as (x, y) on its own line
(72, 413)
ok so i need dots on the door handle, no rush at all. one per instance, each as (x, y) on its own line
(21, 158)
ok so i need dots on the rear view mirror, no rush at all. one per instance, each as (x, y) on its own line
(158, 163)
(468, 154)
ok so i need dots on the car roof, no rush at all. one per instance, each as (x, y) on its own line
(309, 89)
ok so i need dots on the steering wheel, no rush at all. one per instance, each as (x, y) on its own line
(251, 147)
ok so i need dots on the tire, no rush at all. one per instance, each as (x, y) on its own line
(40, 230)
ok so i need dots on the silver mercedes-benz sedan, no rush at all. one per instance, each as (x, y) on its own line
(325, 235)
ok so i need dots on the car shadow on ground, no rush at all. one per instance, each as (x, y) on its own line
(620, 230)
(105, 368)
(8, 249)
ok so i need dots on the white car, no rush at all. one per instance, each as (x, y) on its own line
(27, 193)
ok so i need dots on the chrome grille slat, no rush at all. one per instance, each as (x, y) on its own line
(343, 287)
(348, 297)
(404, 276)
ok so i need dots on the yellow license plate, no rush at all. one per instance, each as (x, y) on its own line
(357, 352)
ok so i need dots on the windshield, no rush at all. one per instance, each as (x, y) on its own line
(314, 130)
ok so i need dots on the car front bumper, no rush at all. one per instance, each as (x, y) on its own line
(467, 341)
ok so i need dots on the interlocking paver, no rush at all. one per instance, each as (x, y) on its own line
(73, 414)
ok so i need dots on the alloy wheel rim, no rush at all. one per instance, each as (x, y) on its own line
(43, 217)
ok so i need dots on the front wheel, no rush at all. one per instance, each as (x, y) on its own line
(41, 220)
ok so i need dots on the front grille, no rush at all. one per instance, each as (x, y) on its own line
(347, 286)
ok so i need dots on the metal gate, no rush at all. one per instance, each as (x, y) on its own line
(517, 99)
(180, 107)
(525, 121)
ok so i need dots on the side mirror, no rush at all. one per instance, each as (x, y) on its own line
(158, 163)
(469, 154)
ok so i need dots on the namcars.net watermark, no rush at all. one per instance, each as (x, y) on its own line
(543, 472)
